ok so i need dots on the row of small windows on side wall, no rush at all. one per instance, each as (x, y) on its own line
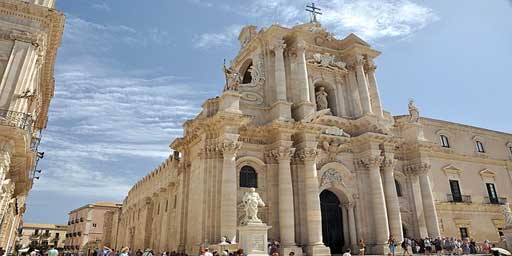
(445, 143)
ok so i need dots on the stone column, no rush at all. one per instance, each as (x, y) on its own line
(374, 89)
(281, 109)
(392, 203)
(305, 107)
(352, 227)
(379, 204)
(429, 206)
(344, 218)
(286, 207)
(362, 85)
(228, 207)
(280, 77)
(315, 244)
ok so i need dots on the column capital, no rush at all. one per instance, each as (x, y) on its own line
(278, 46)
(282, 153)
(307, 154)
(370, 162)
(230, 147)
(359, 60)
(349, 205)
(421, 168)
(388, 162)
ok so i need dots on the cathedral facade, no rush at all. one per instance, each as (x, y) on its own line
(301, 121)
(30, 34)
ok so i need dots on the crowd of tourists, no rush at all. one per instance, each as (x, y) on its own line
(440, 246)
(425, 246)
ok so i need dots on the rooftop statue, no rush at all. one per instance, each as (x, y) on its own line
(233, 78)
(414, 113)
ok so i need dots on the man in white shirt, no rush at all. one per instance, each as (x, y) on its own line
(207, 252)
(347, 253)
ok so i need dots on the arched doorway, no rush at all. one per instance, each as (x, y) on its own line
(332, 227)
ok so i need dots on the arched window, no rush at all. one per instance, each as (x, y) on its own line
(398, 188)
(444, 141)
(247, 78)
(248, 177)
(479, 146)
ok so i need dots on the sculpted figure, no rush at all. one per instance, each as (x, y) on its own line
(321, 99)
(233, 78)
(414, 113)
(505, 209)
(251, 201)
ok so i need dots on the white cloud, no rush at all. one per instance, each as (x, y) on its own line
(101, 6)
(370, 19)
(376, 19)
(225, 38)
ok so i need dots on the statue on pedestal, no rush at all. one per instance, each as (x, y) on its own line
(414, 113)
(251, 201)
(321, 99)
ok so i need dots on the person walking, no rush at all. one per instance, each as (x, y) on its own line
(391, 245)
(362, 246)
(124, 251)
(347, 252)
(53, 251)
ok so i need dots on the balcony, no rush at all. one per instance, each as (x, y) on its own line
(461, 199)
(499, 200)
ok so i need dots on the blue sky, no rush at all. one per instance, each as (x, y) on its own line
(130, 72)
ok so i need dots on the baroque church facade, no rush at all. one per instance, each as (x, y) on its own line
(301, 120)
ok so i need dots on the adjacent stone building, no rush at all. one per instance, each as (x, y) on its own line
(86, 225)
(37, 235)
(301, 120)
(30, 33)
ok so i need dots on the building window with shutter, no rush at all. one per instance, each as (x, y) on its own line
(444, 141)
(479, 146)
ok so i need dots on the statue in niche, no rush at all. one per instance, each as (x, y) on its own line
(321, 99)
(251, 201)
(233, 78)
(414, 113)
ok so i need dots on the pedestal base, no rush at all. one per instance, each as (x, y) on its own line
(281, 110)
(302, 110)
(286, 249)
(253, 239)
(318, 250)
(379, 249)
(230, 102)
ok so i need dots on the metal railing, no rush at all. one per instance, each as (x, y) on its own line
(498, 200)
(459, 199)
(16, 119)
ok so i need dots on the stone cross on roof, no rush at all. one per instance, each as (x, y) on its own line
(313, 12)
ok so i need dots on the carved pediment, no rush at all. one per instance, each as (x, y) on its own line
(486, 173)
(451, 170)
